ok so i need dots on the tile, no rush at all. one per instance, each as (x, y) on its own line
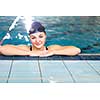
(82, 72)
(54, 72)
(24, 71)
(4, 70)
(95, 65)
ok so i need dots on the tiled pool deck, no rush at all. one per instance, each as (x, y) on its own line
(55, 69)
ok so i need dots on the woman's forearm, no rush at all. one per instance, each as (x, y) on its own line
(11, 50)
(70, 51)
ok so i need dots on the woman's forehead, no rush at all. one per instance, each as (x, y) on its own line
(38, 33)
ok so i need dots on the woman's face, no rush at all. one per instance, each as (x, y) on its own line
(38, 39)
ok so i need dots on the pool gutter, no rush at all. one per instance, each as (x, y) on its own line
(89, 54)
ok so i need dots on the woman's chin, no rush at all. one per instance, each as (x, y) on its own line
(38, 47)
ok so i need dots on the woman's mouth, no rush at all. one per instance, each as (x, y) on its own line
(38, 43)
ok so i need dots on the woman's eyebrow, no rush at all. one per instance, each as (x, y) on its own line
(32, 36)
(40, 34)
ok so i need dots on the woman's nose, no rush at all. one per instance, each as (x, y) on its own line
(37, 40)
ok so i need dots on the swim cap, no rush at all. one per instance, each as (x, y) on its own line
(36, 27)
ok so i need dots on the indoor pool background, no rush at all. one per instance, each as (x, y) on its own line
(80, 31)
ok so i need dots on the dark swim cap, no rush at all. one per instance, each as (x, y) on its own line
(36, 27)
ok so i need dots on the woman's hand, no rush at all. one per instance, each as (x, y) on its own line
(38, 53)
(46, 53)
(34, 53)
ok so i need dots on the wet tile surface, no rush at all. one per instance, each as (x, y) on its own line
(54, 69)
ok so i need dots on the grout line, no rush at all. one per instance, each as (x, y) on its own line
(40, 71)
(10, 71)
(69, 72)
(93, 68)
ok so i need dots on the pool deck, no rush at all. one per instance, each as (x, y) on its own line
(56, 69)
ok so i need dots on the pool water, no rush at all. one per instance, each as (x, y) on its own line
(80, 31)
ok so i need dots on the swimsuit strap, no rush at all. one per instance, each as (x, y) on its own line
(46, 48)
(30, 48)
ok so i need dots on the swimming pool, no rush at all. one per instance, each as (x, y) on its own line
(81, 31)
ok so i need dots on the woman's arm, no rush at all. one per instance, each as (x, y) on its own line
(12, 50)
(16, 50)
(65, 50)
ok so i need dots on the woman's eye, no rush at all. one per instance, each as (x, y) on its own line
(33, 38)
(40, 36)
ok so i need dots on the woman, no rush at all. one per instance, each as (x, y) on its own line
(38, 37)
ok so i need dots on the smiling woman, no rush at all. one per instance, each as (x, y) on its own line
(37, 36)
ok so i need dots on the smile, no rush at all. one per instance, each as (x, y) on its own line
(38, 43)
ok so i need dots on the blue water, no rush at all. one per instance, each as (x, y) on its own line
(80, 31)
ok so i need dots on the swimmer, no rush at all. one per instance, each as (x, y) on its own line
(37, 36)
